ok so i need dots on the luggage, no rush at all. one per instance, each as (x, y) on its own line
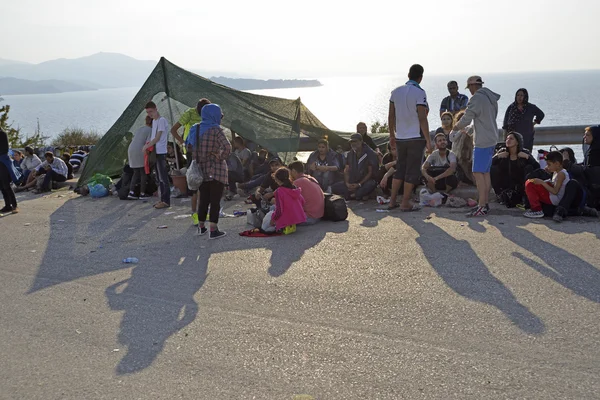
(335, 208)
(255, 217)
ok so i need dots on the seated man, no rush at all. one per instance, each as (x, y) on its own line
(324, 165)
(314, 199)
(235, 174)
(244, 154)
(360, 171)
(268, 186)
(259, 168)
(66, 157)
(29, 164)
(439, 168)
(55, 170)
(77, 159)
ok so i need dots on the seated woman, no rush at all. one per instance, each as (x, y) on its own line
(387, 170)
(289, 204)
(446, 128)
(462, 144)
(324, 165)
(510, 166)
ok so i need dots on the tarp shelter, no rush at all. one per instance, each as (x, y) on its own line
(274, 123)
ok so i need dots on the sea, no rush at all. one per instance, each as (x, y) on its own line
(567, 98)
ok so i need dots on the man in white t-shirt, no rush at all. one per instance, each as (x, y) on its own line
(440, 167)
(158, 139)
(409, 134)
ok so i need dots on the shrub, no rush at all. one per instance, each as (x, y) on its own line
(76, 137)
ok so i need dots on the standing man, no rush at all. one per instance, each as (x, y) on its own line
(409, 135)
(483, 110)
(455, 102)
(7, 175)
(158, 139)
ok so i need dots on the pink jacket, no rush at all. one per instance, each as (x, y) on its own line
(289, 207)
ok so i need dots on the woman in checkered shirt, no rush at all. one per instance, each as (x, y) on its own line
(211, 152)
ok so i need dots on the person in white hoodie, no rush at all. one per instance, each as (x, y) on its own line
(482, 109)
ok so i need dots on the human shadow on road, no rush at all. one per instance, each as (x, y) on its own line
(563, 267)
(463, 271)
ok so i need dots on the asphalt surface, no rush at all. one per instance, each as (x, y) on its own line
(382, 306)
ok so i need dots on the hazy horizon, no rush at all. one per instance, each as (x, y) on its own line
(314, 39)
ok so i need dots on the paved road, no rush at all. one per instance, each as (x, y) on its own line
(383, 306)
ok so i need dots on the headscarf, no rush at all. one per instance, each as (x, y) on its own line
(519, 139)
(515, 115)
(211, 117)
(592, 156)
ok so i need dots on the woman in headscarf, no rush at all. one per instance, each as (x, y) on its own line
(510, 166)
(211, 152)
(592, 139)
(522, 116)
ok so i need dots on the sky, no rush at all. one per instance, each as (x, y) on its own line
(310, 39)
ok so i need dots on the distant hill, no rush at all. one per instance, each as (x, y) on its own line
(24, 86)
(4, 61)
(101, 70)
(257, 84)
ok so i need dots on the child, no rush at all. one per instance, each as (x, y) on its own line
(289, 204)
(547, 192)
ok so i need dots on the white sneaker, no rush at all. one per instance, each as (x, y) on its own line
(534, 214)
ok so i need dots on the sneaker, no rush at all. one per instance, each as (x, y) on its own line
(6, 209)
(589, 212)
(132, 196)
(144, 196)
(216, 234)
(202, 230)
(557, 217)
(195, 219)
(534, 214)
(478, 212)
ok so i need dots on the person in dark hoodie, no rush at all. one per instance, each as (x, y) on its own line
(482, 109)
(522, 116)
(510, 166)
(592, 139)
(360, 171)
(8, 174)
(324, 165)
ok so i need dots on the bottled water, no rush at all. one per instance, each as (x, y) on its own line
(130, 260)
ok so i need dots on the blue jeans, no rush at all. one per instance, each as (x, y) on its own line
(341, 189)
(163, 178)
(325, 178)
(255, 181)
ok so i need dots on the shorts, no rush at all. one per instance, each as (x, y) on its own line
(482, 159)
(409, 160)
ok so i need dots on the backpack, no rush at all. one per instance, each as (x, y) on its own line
(335, 208)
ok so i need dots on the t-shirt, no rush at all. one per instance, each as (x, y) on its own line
(435, 159)
(244, 155)
(406, 98)
(187, 120)
(160, 125)
(269, 182)
(314, 199)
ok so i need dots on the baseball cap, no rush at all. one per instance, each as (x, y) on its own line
(275, 159)
(474, 79)
(355, 137)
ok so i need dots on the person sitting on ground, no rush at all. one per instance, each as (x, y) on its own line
(440, 166)
(66, 157)
(387, 170)
(547, 192)
(510, 166)
(462, 143)
(314, 198)
(29, 164)
(446, 128)
(17, 158)
(244, 154)
(289, 204)
(368, 140)
(324, 165)
(359, 173)
(235, 174)
(269, 185)
(174, 156)
(77, 159)
(259, 168)
(54, 169)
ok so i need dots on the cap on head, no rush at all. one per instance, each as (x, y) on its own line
(474, 80)
(275, 159)
(356, 137)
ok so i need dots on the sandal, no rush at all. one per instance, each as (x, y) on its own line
(391, 207)
(161, 205)
(413, 208)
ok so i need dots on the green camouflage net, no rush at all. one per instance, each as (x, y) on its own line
(274, 123)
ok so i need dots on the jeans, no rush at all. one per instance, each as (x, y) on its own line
(309, 221)
(139, 176)
(325, 178)
(254, 182)
(52, 176)
(210, 194)
(163, 178)
(233, 178)
(341, 189)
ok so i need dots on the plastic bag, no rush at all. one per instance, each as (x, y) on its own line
(98, 190)
(429, 199)
(194, 176)
(100, 179)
